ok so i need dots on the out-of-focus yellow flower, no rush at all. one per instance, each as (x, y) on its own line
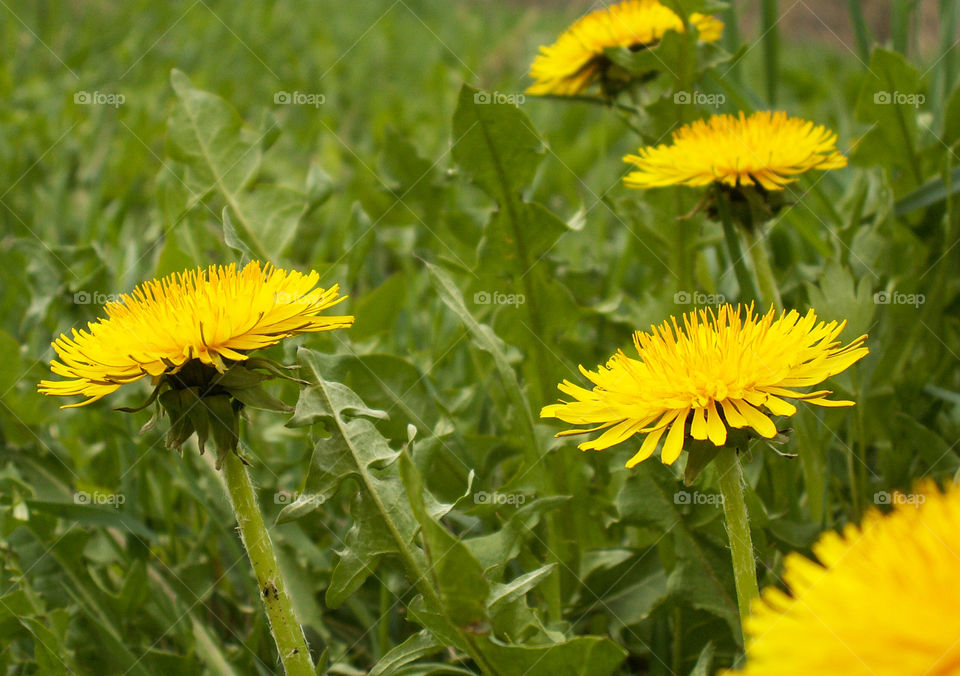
(882, 600)
(576, 60)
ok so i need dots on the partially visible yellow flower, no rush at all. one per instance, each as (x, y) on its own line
(882, 600)
(717, 371)
(769, 149)
(211, 315)
(576, 60)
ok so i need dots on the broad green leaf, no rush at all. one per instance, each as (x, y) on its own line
(704, 665)
(701, 577)
(380, 308)
(485, 339)
(502, 594)
(207, 135)
(387, 382)
(497, 146)
(47, 647)
(839, 297)
(92, 515)
(578, 656)
(453, 572)
(354, 449)
(496, 550)
(889, 100)
(421, 644)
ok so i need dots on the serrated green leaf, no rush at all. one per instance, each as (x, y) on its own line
(207, 135)
(455, 574)
(354, 448)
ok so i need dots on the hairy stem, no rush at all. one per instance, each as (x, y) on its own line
(738, 528)
(291, 643)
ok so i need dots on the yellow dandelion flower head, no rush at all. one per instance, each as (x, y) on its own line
(208, 315)
(766, 148)
(576, 60)
(882, 600)
(718, 371)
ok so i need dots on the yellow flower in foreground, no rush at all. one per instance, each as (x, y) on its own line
(882, 601)
(208, 315)
(720, 367)
(576, 60)
(769, 149)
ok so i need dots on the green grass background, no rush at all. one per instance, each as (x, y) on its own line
(93, 200)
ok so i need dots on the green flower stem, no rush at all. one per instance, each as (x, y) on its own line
(291, 643)
(738, 528)
(748, 289)
(766, 282)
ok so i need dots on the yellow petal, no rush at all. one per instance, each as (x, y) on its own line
(733, 416)
(755, 419)
(778, 406)
(716, 430)
(647, 448)
(673, 446)
(698, 428)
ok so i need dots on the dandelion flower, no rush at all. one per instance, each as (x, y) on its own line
(212, 316)
(576, 60)
(718, 371)
(766, 148)
(882, 599)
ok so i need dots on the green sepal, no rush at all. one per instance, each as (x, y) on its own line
(750, 205)
(216, 416)
(257, 397)
(197, 415)
(238, 377)
(699, 455)
(274, 368)
(739, 439)
(136, 409)
(224, 418)
(180, 425)
(150, 424)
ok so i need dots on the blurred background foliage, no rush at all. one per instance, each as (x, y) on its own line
(388, 188)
